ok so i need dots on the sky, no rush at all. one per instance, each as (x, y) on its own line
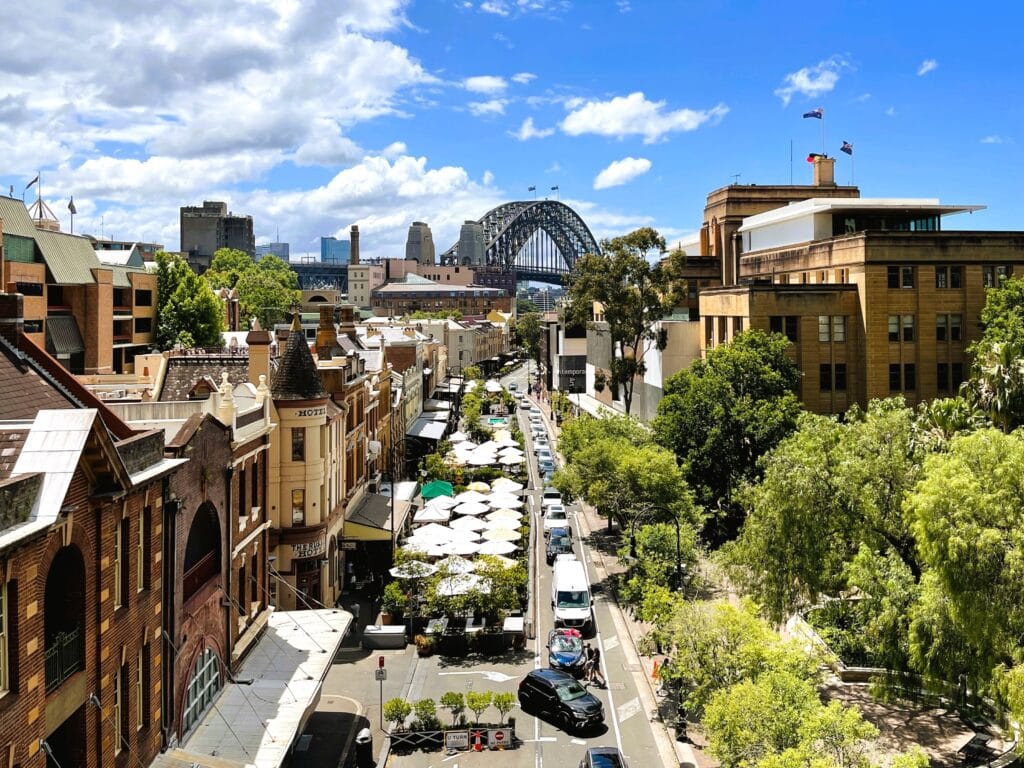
(313, 115)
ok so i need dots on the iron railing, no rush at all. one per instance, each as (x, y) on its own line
(63, 657)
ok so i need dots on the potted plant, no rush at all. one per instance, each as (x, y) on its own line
(393, 603)
(425, 644)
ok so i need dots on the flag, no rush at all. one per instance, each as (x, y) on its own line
(531, 189)
(814, 156)
(554, 189)
(818, 113)
(71, 206)
(32, 182)
(847, 148)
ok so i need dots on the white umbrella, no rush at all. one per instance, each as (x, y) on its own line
(441, 502)
(490, 446)
(497, 548)
(432, 515)
(502, 534)
(468, 524)
(460, 547)
(471, 508)
(433, 531)
(504, 485)
(508, 523)
(501, 434)
(506, 443)
(511, 461)
(484, 459)
(470, 496)
(508, 514)
(454, 564)
(462, 583)
(504, 501)
(508, 562)
(510, 452)
(413, 569)
(428, 549)
(458, 437)
(454, 460)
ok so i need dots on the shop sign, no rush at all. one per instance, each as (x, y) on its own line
(308, 549)
(348, 545)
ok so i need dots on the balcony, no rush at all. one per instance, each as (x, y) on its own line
(63, 657)
(200, 573)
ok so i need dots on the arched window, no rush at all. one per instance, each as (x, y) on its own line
(202, 688)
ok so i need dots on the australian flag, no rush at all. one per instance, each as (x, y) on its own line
(847, 148)
(818, 113)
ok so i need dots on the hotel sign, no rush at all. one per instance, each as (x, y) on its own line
(304, 413)
(308, 549)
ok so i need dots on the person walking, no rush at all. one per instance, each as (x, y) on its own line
(588, 668)
(595, 666)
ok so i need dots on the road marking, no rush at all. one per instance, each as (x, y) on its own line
(577, 741)
(540, 738)
(494, 677)
(611, 642)
(629, 709)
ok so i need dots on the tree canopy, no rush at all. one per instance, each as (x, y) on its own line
(528, 329)
(723, 413)
(266, 288)
(635, 295)
(188, 312)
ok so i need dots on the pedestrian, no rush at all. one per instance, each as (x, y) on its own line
(588, 662)
(350, 567)
(354, 610)
(595, 666)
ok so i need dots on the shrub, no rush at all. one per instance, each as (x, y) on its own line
(478, 702)
(503, 702)
(454, 702)
(426, 715)
(396, 711)
(395, 600)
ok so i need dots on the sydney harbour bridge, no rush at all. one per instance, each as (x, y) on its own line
(538, 240)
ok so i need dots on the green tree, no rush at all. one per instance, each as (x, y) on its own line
(503, 702)
(635, 295)
(280, 269)
(262, 295)
(529, 329)
(477, 702)
(585, 430)
(426, 715)
(455, 703)
(525, 306)
(396, 711)
(472, 373)
(191, 315)
(444, 314)
(1002, 317)
(228, 266)
(997, 384)
(654, 566)
(830, 736)
(723, 413)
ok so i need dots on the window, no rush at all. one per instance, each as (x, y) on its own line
(775, 323)
(143, 325)
(825, 377)
(256, 481)
(120, 713)
(893, 277)
(202, 687)
(949, 277)
(4, 635)
(909, 377)
(832, 328)
(992, 275)
(139, 688)
(298, 444)
(894, 327)
(840, 377)
(241, 591)
(254, 581)
(298, 507)
(143, 298)
(942, 376)
(142, 552)
(120, 566)
(900, 277)
(894, 377)
(824, 328)
(908, 327)
(957, 369)
(942, 277)
(948, 327)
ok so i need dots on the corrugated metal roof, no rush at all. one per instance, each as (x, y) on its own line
(16, 218)
(63, 336)
(69, 258)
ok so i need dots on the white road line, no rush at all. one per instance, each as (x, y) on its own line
(629, 709)
(611, 642)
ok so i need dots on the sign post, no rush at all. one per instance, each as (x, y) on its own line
(381, 674)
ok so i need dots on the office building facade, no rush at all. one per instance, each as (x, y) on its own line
(207, 228)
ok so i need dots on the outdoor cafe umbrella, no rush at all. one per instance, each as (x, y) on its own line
(490, 446)
(469, 524)
(432, 515)
(464, 547)
(511, 461)
(480, 459)
(454, 564)
(441, 502)
(413, 569)
(462, 583)
(508, 562)
(471, 508)
(436, 488)
(479, 486)
(505, 513)
(457, 437)
(504, 500)
(502, 534)
(508, 523)
(510, 452)
(507, 443)
(501, 434)
(439, 533)
(429, 549)
(470, 496)
(506, 485)
(497, 548)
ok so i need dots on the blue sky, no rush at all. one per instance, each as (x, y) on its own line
(312, 116)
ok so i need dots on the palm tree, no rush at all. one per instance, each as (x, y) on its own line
(998, 384)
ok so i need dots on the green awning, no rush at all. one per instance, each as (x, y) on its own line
(436, 488)
(63, 336)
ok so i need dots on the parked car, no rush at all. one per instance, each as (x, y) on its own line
(565, 650)
(603, 757)
(559, 695)
(535, 411)
(559, 543)
(551, 496)
(544, 454)
(547, 470)
(512, 386)
(555, 516)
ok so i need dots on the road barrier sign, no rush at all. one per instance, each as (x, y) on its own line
(456, 739)
(498, 738)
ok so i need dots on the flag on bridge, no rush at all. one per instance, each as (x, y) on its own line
(819, 113)
(847, 148)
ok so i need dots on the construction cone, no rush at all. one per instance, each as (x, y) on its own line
(478, 744)
(654, 672)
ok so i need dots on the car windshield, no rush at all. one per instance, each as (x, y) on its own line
(605, 761)
(570, 691)
(566, 644)
(556, 514)
(573, 599)
(561, 542)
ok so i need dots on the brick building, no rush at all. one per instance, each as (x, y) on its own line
(417, 294)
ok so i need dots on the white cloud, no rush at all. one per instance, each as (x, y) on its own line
(812, 81)
(621, 172)
(634, 115)
(863, 97)
(927, 66)
(994, 139)
(485, 84)
(550, 8)
(488, 178)
(891, 112)
(553, 168)
(624, 6)
(497, 7)
(523, 77)
(527, 131)
(488, 108)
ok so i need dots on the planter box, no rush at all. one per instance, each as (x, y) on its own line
(384, 636)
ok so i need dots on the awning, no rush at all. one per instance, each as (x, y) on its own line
(284, 674)
(427, 428)
(62, 336)
(371, 519)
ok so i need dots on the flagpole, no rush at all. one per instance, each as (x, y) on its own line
(823, 132)
(791, 162)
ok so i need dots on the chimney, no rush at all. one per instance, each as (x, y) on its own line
(258, 342)
(824, 171)
(347, 327)
(326, 335)
(354, 236)
(12, 317)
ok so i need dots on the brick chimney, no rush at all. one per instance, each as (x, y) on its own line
(12, 317)
(326, 335)
(354, 251)
(258, 342)
(347, 327)
(824, 171)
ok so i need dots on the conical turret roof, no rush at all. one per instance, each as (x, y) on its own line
(297, 377)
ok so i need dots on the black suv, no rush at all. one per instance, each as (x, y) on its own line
(559, 543)
(603, 757)
(560, 696)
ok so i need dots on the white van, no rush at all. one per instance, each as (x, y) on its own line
(570, 596)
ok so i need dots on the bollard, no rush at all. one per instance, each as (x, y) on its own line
(364, 749)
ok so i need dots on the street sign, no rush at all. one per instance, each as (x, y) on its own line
(498, 738)
(456, 739)
(380, 662)
(380, 675)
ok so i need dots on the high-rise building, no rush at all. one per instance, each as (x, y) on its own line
(419, 246)
(335, 251)
(207, 228)
(471, 243)
(281, 250)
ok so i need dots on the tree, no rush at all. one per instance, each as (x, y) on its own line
(503, 702)
(583, 431)
(1002, 317)
(266, 289)
(396, 711)
(477, 702)
(473, 373)
(997, 385)
(191, 315)
(830, 736)
(455, 703)
(654, 566)
(635, 295)
(529, 329)
(723, 413)
(525, 307)
(227, 267)
(426, 715)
